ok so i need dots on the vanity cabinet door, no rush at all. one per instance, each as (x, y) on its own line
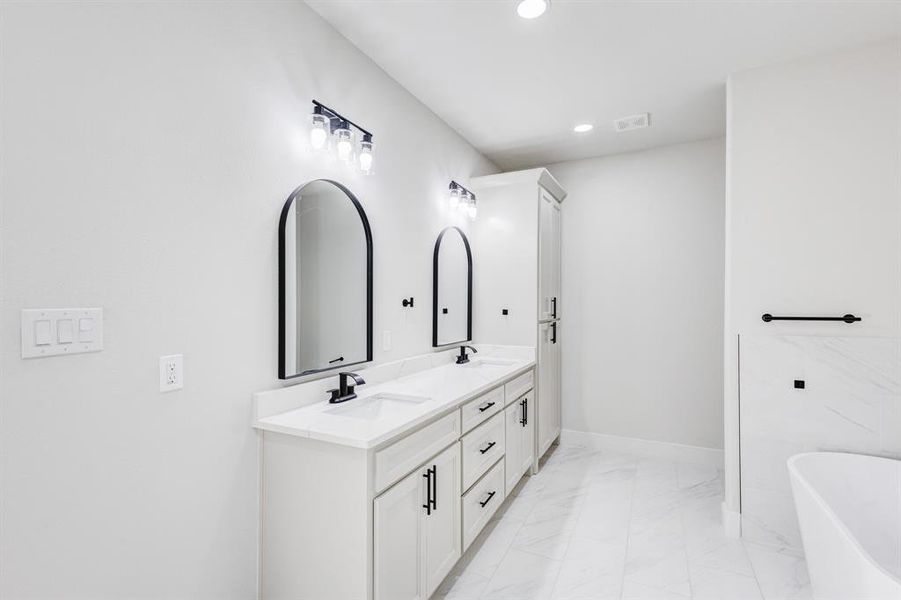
(520, 430)
(527, 431)
(443, 523)
(513, 457)
(399, 536)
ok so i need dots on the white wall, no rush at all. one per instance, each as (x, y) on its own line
(147, 150)
(813, 204)
(643, 294)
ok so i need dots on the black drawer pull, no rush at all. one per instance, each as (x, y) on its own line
(525, 412)
(485, 407)
(487, 448)
(484, 502)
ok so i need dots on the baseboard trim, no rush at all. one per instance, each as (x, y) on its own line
(649, 448)
(731, 521)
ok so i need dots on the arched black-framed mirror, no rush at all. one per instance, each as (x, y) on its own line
(324, 280)
(451, 288)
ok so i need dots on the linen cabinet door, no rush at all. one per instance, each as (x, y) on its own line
(399, 540)
(443, 521)
(557, 261)
(556, 382)
(547, 255)
(547, 397)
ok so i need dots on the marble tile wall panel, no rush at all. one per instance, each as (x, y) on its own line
(851, 402)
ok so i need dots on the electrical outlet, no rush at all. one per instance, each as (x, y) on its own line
(172, 375)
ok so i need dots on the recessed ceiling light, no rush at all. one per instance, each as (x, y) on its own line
(583, 128)
(532, 9)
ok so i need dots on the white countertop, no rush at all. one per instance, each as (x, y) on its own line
(446, 387)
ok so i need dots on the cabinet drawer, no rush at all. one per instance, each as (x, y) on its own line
(519, 386)
(481, 448)
(478, 409)
(401, 457)
(481, 502)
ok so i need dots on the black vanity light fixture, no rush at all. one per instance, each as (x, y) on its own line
(462, 200)
(330, 130)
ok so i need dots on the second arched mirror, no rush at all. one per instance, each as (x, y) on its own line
(452, 289)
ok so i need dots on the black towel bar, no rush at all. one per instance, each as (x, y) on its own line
(847, 318)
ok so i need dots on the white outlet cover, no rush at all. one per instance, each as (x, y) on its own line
(172, 372)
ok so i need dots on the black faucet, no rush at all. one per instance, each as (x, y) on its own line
(463, 358)
(345, 392)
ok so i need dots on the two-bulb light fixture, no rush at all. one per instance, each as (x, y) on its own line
(461, 200)
(330, 130)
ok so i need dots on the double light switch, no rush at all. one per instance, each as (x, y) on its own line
(55, 331)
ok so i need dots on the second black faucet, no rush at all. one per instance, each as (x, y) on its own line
(463, 358)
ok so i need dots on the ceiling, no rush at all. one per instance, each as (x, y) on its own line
(515, 88)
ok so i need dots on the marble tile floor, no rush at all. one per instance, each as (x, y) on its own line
(594, 525)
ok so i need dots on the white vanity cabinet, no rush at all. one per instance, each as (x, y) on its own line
(358, 520)
(417, 530)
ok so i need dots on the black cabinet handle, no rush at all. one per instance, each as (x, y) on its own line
(525, 412)
(428, 491)
(554, 333)
(434, 487)
(487, 448)
(431, 489)
(485, 407)
(554, 303)
(484, 502)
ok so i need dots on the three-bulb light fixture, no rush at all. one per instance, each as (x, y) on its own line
(330, 130)
(462, 200)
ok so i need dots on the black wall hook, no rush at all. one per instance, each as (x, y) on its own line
(407, 303)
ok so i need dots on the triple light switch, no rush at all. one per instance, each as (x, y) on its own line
(56, 331)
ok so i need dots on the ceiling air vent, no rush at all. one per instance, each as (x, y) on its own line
(632, 122)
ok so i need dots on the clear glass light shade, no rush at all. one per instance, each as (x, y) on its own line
(453, 197)
(531, 9)
(319, 131)
(344, 144)
(471, 209)
(365, 156)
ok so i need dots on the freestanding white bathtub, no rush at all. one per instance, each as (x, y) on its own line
(849, 507)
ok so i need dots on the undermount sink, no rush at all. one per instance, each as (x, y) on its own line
(489, 362)
(373, 407)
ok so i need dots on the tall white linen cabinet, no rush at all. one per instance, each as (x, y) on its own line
(517, 289)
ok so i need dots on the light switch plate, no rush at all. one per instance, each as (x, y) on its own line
(172, 373)
(52, 331)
